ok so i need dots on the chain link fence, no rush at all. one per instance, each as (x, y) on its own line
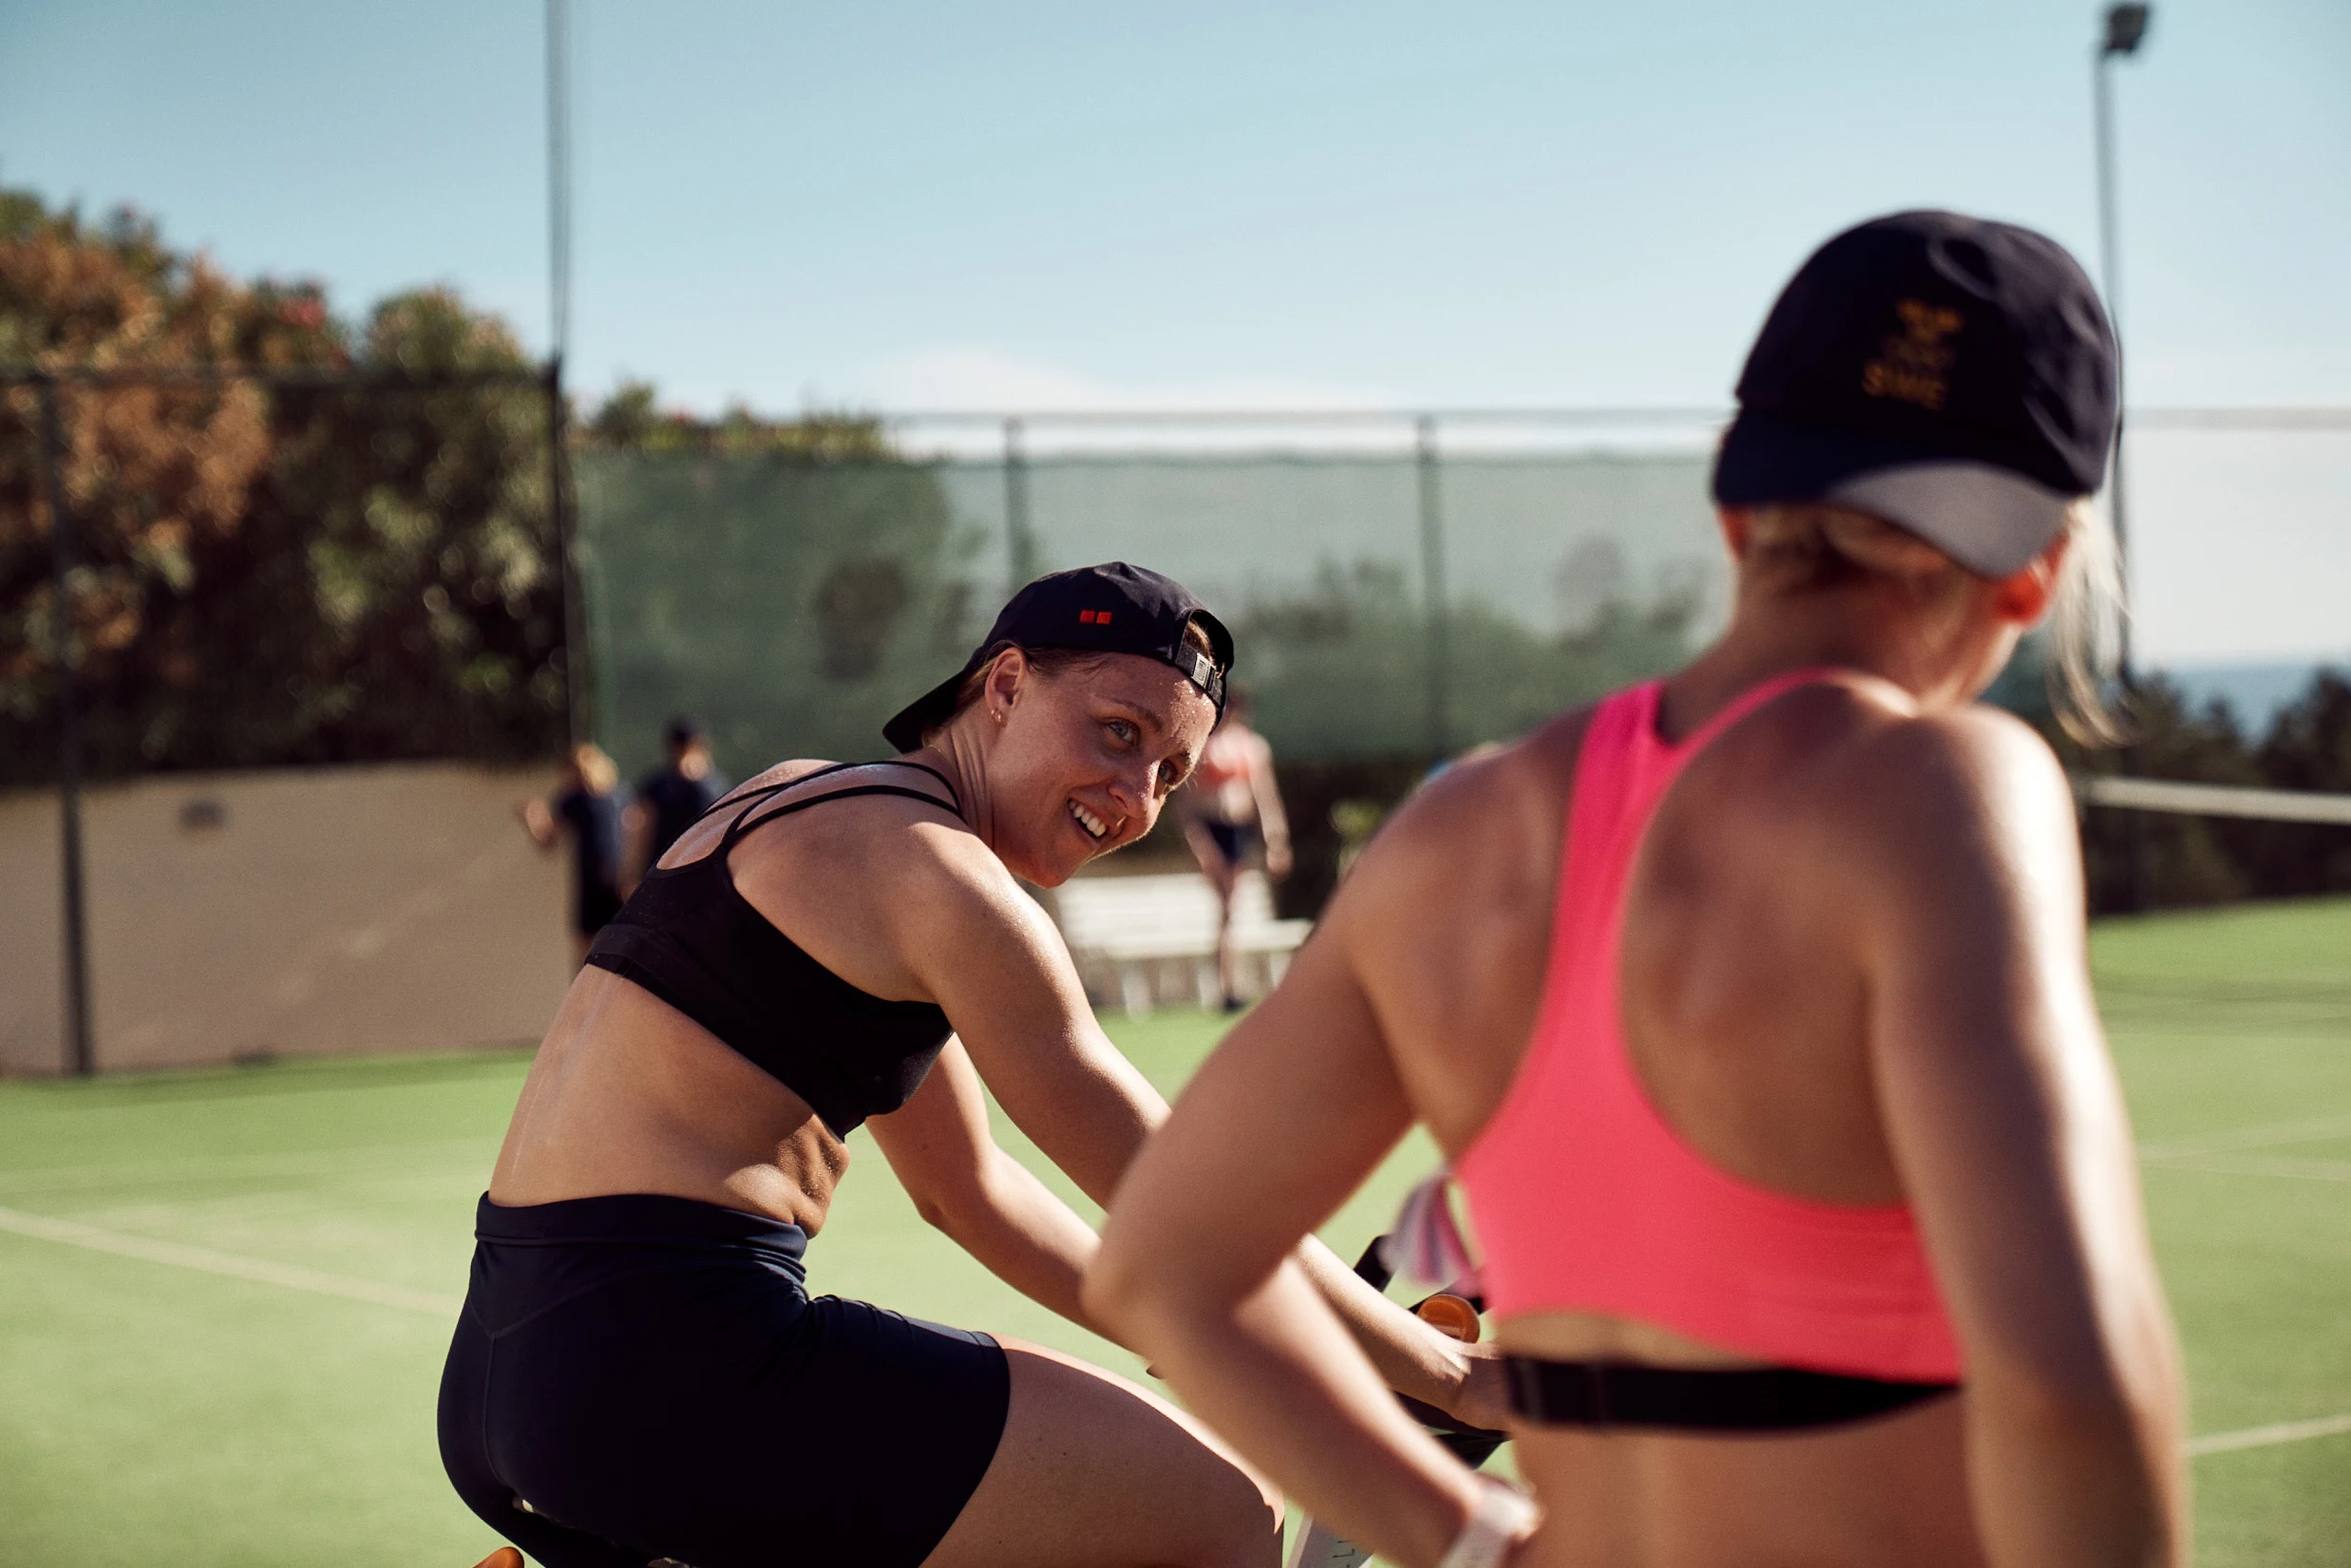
(1389, 603)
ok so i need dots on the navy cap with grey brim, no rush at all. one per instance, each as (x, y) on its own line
(1952, 375)
(1113, 608)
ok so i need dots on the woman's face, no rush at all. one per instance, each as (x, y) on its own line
(1085, 759)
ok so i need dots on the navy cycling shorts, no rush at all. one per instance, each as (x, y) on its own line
(644, 1377)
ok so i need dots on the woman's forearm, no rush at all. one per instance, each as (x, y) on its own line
(1413, 1358)
(1281, 1377)
(2072, 1475)
(1025, 1235)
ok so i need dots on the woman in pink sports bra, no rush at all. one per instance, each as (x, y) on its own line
(1751, 1012)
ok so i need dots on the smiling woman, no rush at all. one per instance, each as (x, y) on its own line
(641, 1371)
(1115, 693)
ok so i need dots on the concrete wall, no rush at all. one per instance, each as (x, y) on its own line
(290, 913)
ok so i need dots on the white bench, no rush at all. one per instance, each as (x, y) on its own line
(1131, 935)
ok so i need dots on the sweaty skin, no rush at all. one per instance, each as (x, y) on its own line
(1853, 972)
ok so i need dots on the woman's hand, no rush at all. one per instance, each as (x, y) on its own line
(539, 823)
(1277, 856)
(1482, 1396)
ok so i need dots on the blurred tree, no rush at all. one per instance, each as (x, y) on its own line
(2191, 860)
(631, 420)
(393, 592)
(315, 573)
(152, 474)
(2308, 747)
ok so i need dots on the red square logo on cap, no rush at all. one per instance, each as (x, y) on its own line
(1095, 617)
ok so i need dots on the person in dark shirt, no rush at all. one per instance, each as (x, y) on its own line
(670, 797)
(585, 810)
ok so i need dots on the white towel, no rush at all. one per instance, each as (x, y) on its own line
(1425, 1246)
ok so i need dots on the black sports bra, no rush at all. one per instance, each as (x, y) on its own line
(688, 938)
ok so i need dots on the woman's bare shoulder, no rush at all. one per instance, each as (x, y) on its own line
(792, 770)
(908, 833)
(1489, 821)
(903, 869)
(1900, 790)
(1968, 752)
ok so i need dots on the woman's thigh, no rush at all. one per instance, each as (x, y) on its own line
(1094, 1472)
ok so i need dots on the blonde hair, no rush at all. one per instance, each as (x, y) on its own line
(598, 775)
(1808, 544)
(2085, 629)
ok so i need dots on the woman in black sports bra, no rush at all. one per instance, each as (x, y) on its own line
(641, 1374)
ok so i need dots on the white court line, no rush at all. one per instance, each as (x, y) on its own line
(363, 1160)
(2254, 1164)
(294, 1278)
(2260, 1437)
(2324, 1130)
(260, 1271)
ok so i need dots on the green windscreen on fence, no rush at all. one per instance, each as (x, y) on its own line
(794, 606)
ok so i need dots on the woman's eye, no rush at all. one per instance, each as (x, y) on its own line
(1122, 731)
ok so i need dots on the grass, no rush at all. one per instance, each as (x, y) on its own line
(152, 1414)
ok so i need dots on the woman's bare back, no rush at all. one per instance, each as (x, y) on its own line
(1745, 1022)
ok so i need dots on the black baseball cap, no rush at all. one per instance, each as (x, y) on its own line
(1950, 374)
(1113, 608)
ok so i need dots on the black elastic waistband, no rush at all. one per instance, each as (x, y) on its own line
(638, 1220)
(1625, 1393)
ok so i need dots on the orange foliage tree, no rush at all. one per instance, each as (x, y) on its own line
(312, 570)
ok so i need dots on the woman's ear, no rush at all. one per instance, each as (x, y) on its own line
(1005, 679)
(2023, 596)
(1738, 524)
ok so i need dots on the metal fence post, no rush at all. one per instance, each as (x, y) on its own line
(1019, 542)
(580, 723)
(81, 1056)
(2138, 880)
(1433, 582)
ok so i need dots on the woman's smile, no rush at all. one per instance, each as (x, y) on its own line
(1096, 828)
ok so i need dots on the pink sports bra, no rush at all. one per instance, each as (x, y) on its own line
(1585, 1199)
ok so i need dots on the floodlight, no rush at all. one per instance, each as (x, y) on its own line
(2125, 26)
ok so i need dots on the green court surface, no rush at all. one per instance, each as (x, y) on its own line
(225, 1296)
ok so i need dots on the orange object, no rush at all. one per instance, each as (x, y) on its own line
(1451, 1315)
(506, 1557)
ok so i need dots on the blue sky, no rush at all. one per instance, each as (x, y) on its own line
(920, 205)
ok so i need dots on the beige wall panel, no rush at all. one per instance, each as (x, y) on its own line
(290, 913)
(30, 964)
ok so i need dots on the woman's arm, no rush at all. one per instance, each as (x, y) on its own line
(984, 1199)
(2008, 1128)
(1293, 1110)
(992, 958)
(1271, 820)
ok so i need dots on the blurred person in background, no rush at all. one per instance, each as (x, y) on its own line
(641, 1371)
(1751, 1009)
(1231, 807)
(671, 797)
(584, 811)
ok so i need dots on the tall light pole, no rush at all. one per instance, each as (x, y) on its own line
(2125, 28)
(578, 722)
(559, 176)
